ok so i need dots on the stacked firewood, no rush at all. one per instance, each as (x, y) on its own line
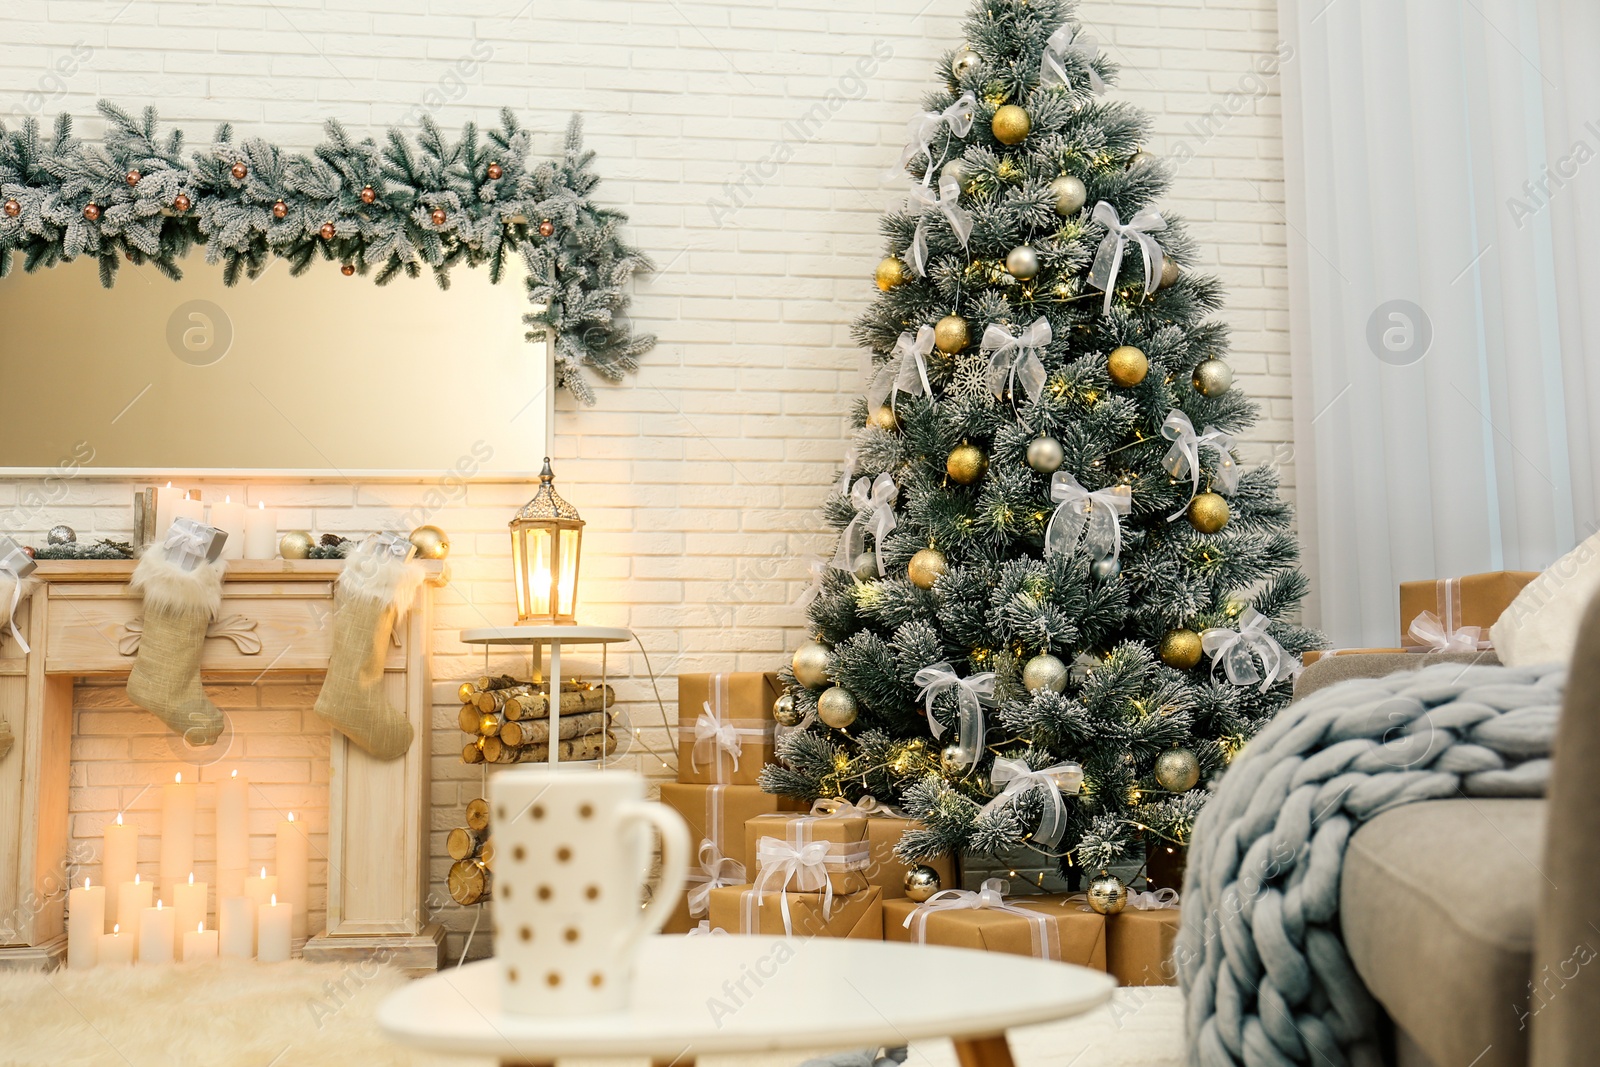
(509, 721)
(473, 852)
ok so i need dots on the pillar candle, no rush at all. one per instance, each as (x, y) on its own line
(177, 833)
(86, 925)
(229, 518)
(166, 501)
(119, 860)
(293, 869)
(156, 934)
(116, 948)
(259, 888)
(189, 907)
(272, 932)
(236, 923)
(199, 944)
(233, 835)
(260, 533)
(132, 899)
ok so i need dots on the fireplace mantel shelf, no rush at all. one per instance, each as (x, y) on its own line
(239, 570)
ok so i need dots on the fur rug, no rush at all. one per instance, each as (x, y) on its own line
(298, 1014)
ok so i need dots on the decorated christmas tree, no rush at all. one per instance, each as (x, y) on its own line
(1056, 606)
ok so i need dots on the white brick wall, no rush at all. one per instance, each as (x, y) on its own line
(700, 476)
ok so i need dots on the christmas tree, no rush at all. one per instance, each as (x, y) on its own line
(1056, 608)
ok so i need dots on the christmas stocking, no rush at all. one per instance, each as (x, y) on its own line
(178, 606)
(376, 588)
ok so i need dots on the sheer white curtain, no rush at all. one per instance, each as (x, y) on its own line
(1442, 159)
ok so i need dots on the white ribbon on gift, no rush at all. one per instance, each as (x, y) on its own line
(15, 564)
(1183, 458)
(1235, 651)
(1067, 40)
(867, 807)
(947, 202)
(1015, 357)
(716, 871)
(1092, 516)
(187, 542)
(905, 372)
(805, 866)
(1427, 630)
(1156, 900)
(874, 504)
(925, 127)
(705, 929)
(971, 696)
(991, 897)
(1108, 257)
(715, 733)
(1013, 777)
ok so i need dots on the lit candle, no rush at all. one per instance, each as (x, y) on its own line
(157, 934)
(132, 899)
(199, 944)
(186, 507)
(233, 835)
(272, 932)
(260, 887)
(119, 860)
(177, 833)
(229, 518)
(166, 502)
(189, 905)
(86, 925)
(260, 533)
(116, 950)
(236, 922)
(293, 869)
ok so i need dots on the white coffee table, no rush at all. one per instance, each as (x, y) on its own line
(696, 996)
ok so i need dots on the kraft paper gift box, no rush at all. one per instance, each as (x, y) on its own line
(1432, 613)
(717, 813)
(800, 851)
(1308, 658)
(886, 870)
(725, 727)
(743, 910)
(1047, 927)
(1139, 946)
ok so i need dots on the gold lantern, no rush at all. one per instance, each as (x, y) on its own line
(546, 537)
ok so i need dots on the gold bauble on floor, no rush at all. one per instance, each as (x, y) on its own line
(966, 464)
(891, 272)
(810, 665)
(1212, 377)
(1127, 366)
(836, 707)
(431, 542)
(927, 567)
(950, 334)
(1107, 895)
(1044, 672)
(1011, 124)
(884, 418)
(1208, 513)
(1177, 770)
(1181, 649)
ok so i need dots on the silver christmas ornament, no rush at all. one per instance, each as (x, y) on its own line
(1070, 194)
(1045, 455)
(783, 711)
(954, 171)
(865, 566)
(1212, 377)
(1106, 569)
(1107, 895)
(921, 882)
(61, 535)
(964, 62)
(1022, 263)
(1044, 672)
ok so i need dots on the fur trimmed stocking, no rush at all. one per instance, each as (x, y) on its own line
(178, 606)
(372, 596)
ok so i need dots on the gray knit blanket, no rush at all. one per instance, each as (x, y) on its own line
(1266, 976)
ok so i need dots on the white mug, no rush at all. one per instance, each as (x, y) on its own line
(572, 854)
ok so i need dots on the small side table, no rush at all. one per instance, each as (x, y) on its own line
(555, 637)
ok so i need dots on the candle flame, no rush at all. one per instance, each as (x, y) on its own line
(291, 816)
(86, 882)
(158, 905)
(200, 928)
(136, 879)
(116, 928)
(274, 900)
(178, 778)
(263, 872)
(235, 773)
(262, 504)
(119, 818)
(191, 878)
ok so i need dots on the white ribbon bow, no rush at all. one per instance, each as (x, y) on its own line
(1183, 458)
(716, 871)
(924, 127)
(905, 372)
(1156, 900)
(991, 897)
(1108, 257)
(1064, 41)
(713, 732)
(1013, 777)
(705, 929)
(840, 808)
(1235, 651)
(804, 866)
(15, 564)
(971, 696)
(1015, 358)
(188, 541)
(1080, 511)
(874, 504)
(817, 567)
(851, 456)
(947, 202)
(1428, 630)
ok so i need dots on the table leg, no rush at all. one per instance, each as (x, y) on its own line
(984, 1051)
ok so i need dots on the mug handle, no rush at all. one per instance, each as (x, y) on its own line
(674, 866)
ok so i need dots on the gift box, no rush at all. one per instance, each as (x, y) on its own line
(1048, 927)
(788, 851)
(744, 910)
(725, 727)
(1433, 614)
(888, 871)
(717, 814)
(1139, 946)
(1308, 658)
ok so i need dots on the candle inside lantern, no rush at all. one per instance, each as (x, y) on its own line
(86, 924)
(199, 944)
(236, 922)
(177, 833)
(260, 532)
(157, 934)
(272, 931)
(189, 905)
(119, 860)
(293, 869)
(116, 948)
(233, 835)
(132, 900)
(230, 519)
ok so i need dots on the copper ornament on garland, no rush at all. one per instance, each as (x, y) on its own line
(927, 566)
(966, 464)
(438, 216)
(890, 273)
(1180, 648)
(1208, 513)
(546, 227)
(368, 194)
(280, 210)
(348, 269)
(836, 707)
(1127, 366)
(181, 203)
(13, 209)
(132, 177)
(951, 334)
(1177, 770)
(495, 172)
(328, 231)
(1010, 124)
(239, 171)
(91, 212)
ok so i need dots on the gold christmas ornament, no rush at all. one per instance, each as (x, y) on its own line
(810, 665)
(1070, 194)
(431, 542)
(1107, 895)
(1045, 455)
(964, 63)
(1177, 770)
(1208, 513)
(926, 568)
(1212, 377)
(890, 273)
(348, 269)
(1044, 672)
(296, 544)
(1170, 272)
(836, 707)
(921, 882)
(954, 171)
(1141, 158)
(865, 566)
(784, 712)
(1022, 263)
(1181, 649)
(950, 334)
(1234, 606)
(1127, 366)
(966, 464)
(1011, 124)
(884, 418)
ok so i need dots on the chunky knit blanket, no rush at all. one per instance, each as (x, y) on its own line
(1266, 976)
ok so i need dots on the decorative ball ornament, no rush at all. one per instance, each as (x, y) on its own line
(431, 542)
(965, 62)
(1044, 672)
(280, 210)
(865, 566)
(61, 535)
(239, 171)
(495, 172)
(1045, 455)
(1010, 125)
(1177, 770)
(952, 761)
(546, 227)
(927, 567)
(951, 334)
(884, 418)
(890, 273)
(1106, 569)
(954, 171)
(348, 269)
(132, 177)
(296, 544)
(1208, 513)
(1022, 263)
(1127, 366)
(784, 712)
(13, 209)
(181, 203)
(1212, 377)
(1070, 194)
(1141, 158)
(327, 231)
(1107, 895)
(91, 212)
(438, 216)
(810, 665)
(966, 464)
(1181, 649)
(369, 195)
(921, 882)
(1170, 272)
(836, 707)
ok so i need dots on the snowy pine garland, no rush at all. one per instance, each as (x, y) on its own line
(404, 206)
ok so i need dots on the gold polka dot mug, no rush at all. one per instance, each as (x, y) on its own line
(572, 853)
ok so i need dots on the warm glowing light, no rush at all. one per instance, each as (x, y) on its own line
(119, 818)
(191, 878)
(86, 883)
(178, 778)
(136, 879)
(158, 905)
(116, 928)
(235, 773)
(274, 900)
